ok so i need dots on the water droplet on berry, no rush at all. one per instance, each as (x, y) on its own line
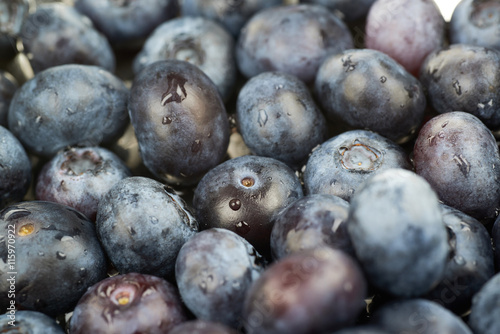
(60, 255)
(459, 260)
(153, 220)
(196, 146)
(235, 204)
(242, 228)
(383, 79)
(166, 120)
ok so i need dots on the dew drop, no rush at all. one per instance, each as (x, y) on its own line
(166, 120)
(278, 87)
(60, 255)
(235, 204)
(196, 146)
(262, 118)
(38, 119)
(383, 79)
(242, 227)
(41, 253)
(153, 220)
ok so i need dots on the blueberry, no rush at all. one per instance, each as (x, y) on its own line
(419, 316)
(57, 256)
(12, 15)
(15, 169)
(142, 225)
(232, 14)
(351, 10)
(369, 90)
(57, 34)
(68, 105)
(244, 195)
(277, 117)
(197, 40)
(315, 291)
(397, 231)
(465, 78)
(179, 120)
(470, 262)
(202, 327)
(483, 318)
(29, 322)
(420, 30)
(476, 23)
(126, 22)
(291, 39)
(128, 304)
(457, 154)
(8, 86)
(342, 163)
(309, 222)
(214, 271)
(80, 177)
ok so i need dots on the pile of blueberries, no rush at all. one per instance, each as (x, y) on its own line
(249, 166)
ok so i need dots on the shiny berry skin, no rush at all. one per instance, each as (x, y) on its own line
(128, 304)
(179, 120)
(244, 195)
(457, 154)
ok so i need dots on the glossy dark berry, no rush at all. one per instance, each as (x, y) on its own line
(397, 231)
(291, 39)
(483, 318)
(465, 78)
(15, 169)
(457, 154)
(57, 256)
(80, 177)
(311, 292)
(197, 40)
(277, 117)
(57, 34)
(68, 105)
(179, 120)
(310, 222)
(419, 25)
(342, 163)
(126, 22)
(244, 195)
(142, 225)
(214, 270)
(351, 9)
(369, 90)
(128, 304)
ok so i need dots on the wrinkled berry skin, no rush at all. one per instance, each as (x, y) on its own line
(476, 22)
(80, 177)
(407, 248)
(214, 270)
(351, 9)
(8, 86)
(277, 117)
(68, 105)
(128, 304)
(457, 154)
(232, 14)
(179, 120)
(310, 222)
(315, 291)
(369, 90)
(470, 262)
(127, 22)
(465, 78)
(197, 40)
(58, 256)
(342, 163)
(15, 169)
(292, 39)
(419, 316)
(57, 34)
(244, 195)
(420, 30)
(483, 318)
(142, 225)
(29, 322)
